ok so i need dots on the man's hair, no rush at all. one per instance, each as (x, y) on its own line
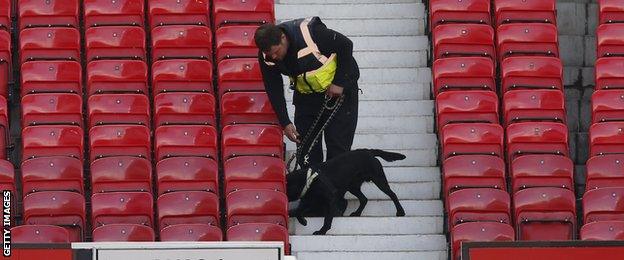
(267, 35)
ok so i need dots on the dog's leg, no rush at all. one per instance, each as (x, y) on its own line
(380, 180)
(363, 200)
(298, 213)
(330, 211)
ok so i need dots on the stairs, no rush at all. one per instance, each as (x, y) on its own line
(395, 114)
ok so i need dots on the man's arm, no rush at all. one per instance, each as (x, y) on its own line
(330, 41)
(274, 86)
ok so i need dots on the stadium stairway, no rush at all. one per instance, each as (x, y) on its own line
(395, 114)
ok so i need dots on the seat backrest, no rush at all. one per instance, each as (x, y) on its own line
(453, 40)
(191, 232)
(5, 60)
(51, 77)
(247, 108)
(51, 108)
(5, 14)
(188, 207)
(252, 139)
(610, 11)
(117, 76)
(121, 173)
(122, 208)
(35, 13)
(184, 108)
(256, 206)
(61, 208)
(245, 12)
(534, 105)
(542, 170)
(236, 41)
(606, 138)
(536, 138)
(55, 173)
(535, 11)
(527, 39)
(118, 12)
(472, 138)
(185, 140)
(118, 140)
(605, 171)
(115, 42)
(607, 105)
(181, 42)
(51, 140)
(449, 11)
(473, 171)
(108, 109)
(7, 176)
(479, 204)
(242, 74)
(609, 42)
(545, 213)
(534, 72)
(55, 43)
(181, 75)
(608, 73)
(603, 204)
(163, 12)
(254, 172)
(123, 233)
(463, 73)
(479, 232)
(187, 174)
(39, 234)
(259, 232)
(474, 106)
(603, 230)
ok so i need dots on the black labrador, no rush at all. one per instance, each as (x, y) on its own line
(326, 184)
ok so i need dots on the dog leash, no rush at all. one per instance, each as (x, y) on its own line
(326, 106)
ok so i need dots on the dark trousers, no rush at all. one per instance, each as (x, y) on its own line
(338, 134)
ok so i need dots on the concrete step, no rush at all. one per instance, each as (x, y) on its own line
(406, 255)
(390, 43)
(412, 174)
(391, 59)
(390, 141)
(395, 125)
(405, 191)
(370, 226)
(385, 208)
(352, 11)
(395, 75)
(383, 92)
(375, 27)
(415, 158)
(397, 243)
(329, 2)
(385, 108)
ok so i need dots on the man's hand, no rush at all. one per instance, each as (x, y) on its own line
(334, 91)
(291, 132)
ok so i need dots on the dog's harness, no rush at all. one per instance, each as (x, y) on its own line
(310, 177)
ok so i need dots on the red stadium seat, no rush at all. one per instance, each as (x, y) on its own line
(242, 74)
(259, 232)
(121, 173)
(545, 213)
(49, 140)
(49, 44)
(449, 11)
(236, 41)
(55, 173)
(107, 109)
(452, 40)
(606, 138)
(60, 208)
(252, 139)
(256, 206)
(536, 11)
(118, 12)
(534, 105)
(542, 170)
(610, 11)
(123, 233)
(463, 73)
(605, 171)
(536, 138)
(51, 108)
(609, 42)
(187, 174)
(5, 61)
(51, 77)
(118, 140)
(522, 39)
(33, 13)
(5, 14)
(122, 208)
(43, 234)
(117, 76)
(7, 176)
(473, 171)
(471, 139)
(603, 204)
(609, 73)
(180, 75)
(603, 230)
(237, 12)
(479, 232)
(191, 232)
(478, 204)
(184, 108)
(607, 105)
(181, 42)
(247, 108)
(475, 106)
(188, 207)
(533, 72)
(115, 42)
(185, 140)
(254, 172)
(163, 12)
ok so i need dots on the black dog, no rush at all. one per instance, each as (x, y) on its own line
(328, 182)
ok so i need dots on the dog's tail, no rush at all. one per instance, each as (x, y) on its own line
(387, 156)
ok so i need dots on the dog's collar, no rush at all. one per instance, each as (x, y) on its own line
(310, 177)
